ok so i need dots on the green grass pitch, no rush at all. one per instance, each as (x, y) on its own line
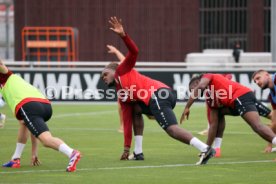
(93, 130)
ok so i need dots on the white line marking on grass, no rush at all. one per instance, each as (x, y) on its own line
(78, 129)
(75, 114)
(137, 167)
(184, 165)
(82, 114)
(152, 130)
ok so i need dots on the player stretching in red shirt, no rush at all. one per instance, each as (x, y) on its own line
(230, 94)
(152, 96)
(214, 103)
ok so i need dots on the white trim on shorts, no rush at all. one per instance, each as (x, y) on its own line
(29, 121)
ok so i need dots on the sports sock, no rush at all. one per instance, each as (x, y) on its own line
(274, 140)
(18, 150)
(138, 144)
(65, 149)
(198, 144)
(217, 142)
(273, 149)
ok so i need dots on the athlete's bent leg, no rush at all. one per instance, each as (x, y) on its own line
(55, 143)
(179, 134)
(48, 140)
(253, 119)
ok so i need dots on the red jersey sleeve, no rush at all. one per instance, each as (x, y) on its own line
(127, 110)
(130, 60)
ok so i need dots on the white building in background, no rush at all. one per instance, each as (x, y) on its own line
(222, 57)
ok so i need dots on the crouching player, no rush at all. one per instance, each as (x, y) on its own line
(266, 81)
(30, 105)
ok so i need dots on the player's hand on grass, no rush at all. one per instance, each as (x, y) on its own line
(184, 115)
(35, 161)
(268, 148)
(117, 26)
(125, 154)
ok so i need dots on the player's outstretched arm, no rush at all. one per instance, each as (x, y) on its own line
(3, 68)
(117, 26)
(268, 148)
(116, 52)
(273, 121)
(127, 112)
(130, 60)
(204, 82)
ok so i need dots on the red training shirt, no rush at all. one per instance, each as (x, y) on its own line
(228, 90)
(134, 87)
(214, 102)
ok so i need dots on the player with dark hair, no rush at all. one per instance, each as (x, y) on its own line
(152, 96)
(30, 105)
(214, 103)
(266, 81)
(229, 94)
(138, 123)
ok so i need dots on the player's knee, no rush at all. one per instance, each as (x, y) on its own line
(172, 131)
(45, 138)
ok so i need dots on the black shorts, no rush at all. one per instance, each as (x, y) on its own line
(161, 107)
(261, 108)
(245, 103)
(35, 116)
